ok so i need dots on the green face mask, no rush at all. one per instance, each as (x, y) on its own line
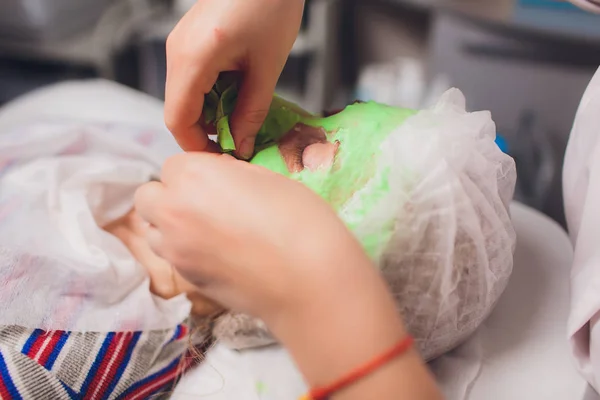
(335, 156)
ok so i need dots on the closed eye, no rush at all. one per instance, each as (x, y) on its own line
(293, 144)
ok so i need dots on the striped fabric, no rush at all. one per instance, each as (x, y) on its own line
(97, 366)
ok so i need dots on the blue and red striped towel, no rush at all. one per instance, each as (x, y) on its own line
(97, 366)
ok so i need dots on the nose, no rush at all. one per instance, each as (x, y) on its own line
(319, 156)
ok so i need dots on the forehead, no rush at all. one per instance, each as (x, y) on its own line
(360, 129)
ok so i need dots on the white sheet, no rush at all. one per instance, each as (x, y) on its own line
(88, 101)
(520, 353)
(68, 180)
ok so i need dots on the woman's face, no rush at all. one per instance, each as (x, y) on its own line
(337, 155)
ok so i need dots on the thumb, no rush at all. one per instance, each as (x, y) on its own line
(252, 107)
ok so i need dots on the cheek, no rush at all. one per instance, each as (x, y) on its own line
(319, 156)
(350, 180)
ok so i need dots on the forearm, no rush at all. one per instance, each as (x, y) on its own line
(349, 327)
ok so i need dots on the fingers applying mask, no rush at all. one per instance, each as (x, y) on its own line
(252, 107)
(148, 199)
(183, 110)
(188, 79)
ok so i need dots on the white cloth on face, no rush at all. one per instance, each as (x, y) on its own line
(114, 122)
(581, 185)
(59, 270)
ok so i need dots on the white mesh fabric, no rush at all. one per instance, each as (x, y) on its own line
(451, 251)
(451, 254)
(59, 270)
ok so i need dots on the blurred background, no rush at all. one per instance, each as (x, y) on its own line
(528, 61)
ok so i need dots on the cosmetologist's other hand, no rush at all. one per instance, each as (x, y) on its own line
(253, 240)
(252, 37)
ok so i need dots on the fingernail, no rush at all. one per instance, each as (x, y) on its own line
(247, 148)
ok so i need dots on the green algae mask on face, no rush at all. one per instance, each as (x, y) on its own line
(335, 156)
(357, 176)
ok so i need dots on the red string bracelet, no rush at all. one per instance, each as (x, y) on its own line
(323, 393)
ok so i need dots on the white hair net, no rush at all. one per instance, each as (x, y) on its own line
(450, 255)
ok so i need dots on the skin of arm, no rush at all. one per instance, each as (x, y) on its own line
(165, 282)
(333, 332)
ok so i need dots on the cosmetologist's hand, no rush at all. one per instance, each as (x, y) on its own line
(262, 244)
(253, 37)
(251, 239)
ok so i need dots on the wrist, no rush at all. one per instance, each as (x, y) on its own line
(342, 323)
(340, 331)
